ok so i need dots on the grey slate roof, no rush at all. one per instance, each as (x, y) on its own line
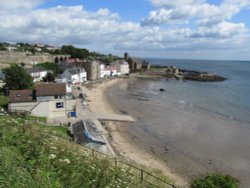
(75, 71)
(36, 69)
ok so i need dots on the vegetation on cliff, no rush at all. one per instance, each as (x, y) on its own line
(31, 157)
(215, 181)
(36, 155)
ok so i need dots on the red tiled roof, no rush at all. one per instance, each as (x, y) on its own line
(21, 96)
(51, 89)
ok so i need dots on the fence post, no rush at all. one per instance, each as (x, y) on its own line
(93, 152)
(141, 176)
(115, 163)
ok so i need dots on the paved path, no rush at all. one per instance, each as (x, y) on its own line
(86, 114)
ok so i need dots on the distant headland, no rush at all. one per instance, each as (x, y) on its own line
(171, 72)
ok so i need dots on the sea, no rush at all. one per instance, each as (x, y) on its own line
(230, 98)
(195, 127)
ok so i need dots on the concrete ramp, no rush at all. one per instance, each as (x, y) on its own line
(112, 117)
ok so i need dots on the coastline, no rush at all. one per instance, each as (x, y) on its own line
(99, 102)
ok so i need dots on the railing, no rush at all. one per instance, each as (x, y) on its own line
(144, 178)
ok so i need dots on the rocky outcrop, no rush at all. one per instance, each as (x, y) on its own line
(175, 73)
(202, 77)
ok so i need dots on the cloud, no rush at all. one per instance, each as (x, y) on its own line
(237, 3)
(18, 5)
(220, 31)
(180, 14)
(182, 11)
(175, 3)
(105, 31)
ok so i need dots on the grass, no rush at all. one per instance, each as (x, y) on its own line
(32, 156)
(3, 101)
(215, 181)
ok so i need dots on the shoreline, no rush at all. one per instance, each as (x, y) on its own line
(99, 102)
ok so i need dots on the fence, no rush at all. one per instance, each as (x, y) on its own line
(143, 178)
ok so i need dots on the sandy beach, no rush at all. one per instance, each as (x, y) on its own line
(98, 102)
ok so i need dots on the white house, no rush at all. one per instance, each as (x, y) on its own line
(103, 71)
(37, 73)
(75, 75)
(46, 100)
(121, 66)
(68, 84)
(11, 47)
(107, 71)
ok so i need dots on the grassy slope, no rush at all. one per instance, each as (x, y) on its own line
(36, 155)
(3, 101)
(30, 157)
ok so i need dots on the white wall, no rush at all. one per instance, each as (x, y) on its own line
(124, 68)
(38, 76)
(49, 109)
(45, 108)
(75, 78)
(27, 106)
(41, 110)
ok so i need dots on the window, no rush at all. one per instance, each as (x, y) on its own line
(59, 105)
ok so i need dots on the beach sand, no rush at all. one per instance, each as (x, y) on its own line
(121, 143)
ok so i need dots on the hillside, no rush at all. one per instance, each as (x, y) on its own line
(36, 155)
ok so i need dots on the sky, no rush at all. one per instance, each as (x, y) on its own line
(173, 29)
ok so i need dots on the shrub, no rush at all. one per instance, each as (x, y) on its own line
(215, 181)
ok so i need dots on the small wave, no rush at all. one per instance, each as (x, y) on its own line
(185, 102)
(182, 101)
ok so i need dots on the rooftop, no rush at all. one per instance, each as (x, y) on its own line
(21, 96)
(51, 89)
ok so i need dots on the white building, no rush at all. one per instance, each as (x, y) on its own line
(103, 71)
(68, 84)
(121, 66)
(75, 75)
(37, 73)
(11, 47)
(46, 100)
(107, 71)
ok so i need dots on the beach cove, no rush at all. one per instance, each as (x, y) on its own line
(99, 101)
(192, 128)
(190, 141)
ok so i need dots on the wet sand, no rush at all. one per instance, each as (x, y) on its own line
(189, 141)
(121, 141)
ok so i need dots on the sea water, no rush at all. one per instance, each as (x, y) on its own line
(230, 98)
(195, 127)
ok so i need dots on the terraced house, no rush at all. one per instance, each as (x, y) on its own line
(46, 100)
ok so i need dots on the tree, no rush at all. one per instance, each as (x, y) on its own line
(50, 77)
(50, 66)
(17, 78)
(75, 52)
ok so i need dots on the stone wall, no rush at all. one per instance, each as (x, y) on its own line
(28, 59)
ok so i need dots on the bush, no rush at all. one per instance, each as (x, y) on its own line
(215, 181)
